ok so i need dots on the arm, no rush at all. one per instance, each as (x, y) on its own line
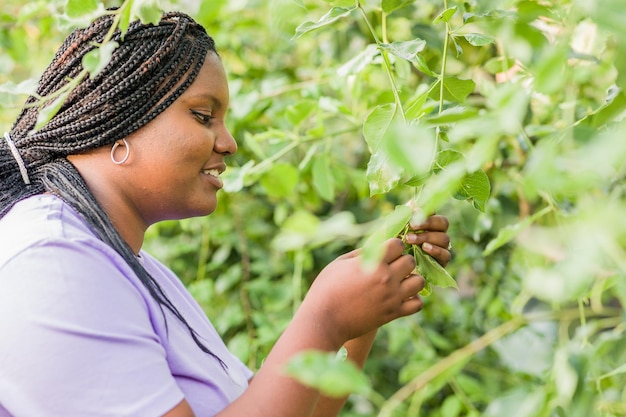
(345, 305)
(433, 231)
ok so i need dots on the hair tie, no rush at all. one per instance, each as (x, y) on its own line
(17, 157)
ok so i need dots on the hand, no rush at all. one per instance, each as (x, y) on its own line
(432, 237)
(349, 301)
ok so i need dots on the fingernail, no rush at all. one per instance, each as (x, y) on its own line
(427, 246)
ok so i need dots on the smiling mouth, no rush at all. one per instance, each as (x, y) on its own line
(211, 172)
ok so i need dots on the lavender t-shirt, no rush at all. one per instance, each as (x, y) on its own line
(81, 336)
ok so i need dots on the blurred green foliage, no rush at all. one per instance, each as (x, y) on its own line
(344, 110)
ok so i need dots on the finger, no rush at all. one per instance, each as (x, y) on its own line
(352, 254)
(440, 239)
(393, 250)
(440, 254)
(411, 306)
(402, 267)
(411, 285)
(435, 222)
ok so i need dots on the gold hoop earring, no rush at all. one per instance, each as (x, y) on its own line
(125, 158)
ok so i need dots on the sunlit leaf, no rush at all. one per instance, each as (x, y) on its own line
(148, 11)
(359, 61)
(455, 89)
(475, 187)
(406, 50)
(430, 269)
(451, 115)
(377, 123)
(280, 180)
(323, 180)
(445, 15)
(47, 112)
(331, 16)
(386, 228)
(499, 64)
(478, 39)
(324, 372)
(510, 232)
(125, 12)
(447, 157)
(79, 8)
(389, 6)
(97, 59)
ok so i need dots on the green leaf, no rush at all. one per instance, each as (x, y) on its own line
(455, 89)
(430, 269)
(440, 188)
(47, 112)
(301, 222)
(281, 180)
(333, 15)
(28, 86)
(97, 59)
(300, 111)
(382, 175)
(499, 64)
(386, 228)
(451, 115)
(510, 232)
(476, 187)
(323, 180)
(400, 152)
(377, 123)
(550, 70)
(324, 372)
(125, 15)
(457, 47)
(445, 16)
(406, 50)
(478, 39)
(447, 157)
(78, 8)
(148, 11)
(235, 177)
(359, 61)
(389, 6)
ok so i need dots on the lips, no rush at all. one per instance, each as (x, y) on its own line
(213, 172)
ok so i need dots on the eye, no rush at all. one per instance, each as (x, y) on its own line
(203, 118)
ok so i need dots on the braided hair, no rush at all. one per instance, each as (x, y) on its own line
(148, 71)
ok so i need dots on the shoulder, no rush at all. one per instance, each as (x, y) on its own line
(47, 251)
(37, 220)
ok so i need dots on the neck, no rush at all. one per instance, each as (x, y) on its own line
(104, 185)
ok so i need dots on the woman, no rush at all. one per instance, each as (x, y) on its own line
(92, 325)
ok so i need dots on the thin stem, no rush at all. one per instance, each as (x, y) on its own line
(466, 352)
(449, 362)
(294, 144)
(384, 27)
(444, 61)
(387, 63)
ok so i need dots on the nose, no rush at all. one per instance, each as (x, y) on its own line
(225, 143)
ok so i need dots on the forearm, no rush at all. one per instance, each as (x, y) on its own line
(358, 351)
(271, 392)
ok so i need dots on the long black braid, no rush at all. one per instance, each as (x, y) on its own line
(150, 69)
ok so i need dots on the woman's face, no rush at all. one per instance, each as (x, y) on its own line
(176, 159)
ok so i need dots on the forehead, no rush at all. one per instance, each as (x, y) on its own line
(211, 83)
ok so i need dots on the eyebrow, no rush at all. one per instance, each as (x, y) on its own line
(204, 97)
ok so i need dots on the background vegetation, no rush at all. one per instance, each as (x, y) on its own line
(506, 116)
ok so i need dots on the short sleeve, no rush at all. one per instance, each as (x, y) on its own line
(80, 339)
